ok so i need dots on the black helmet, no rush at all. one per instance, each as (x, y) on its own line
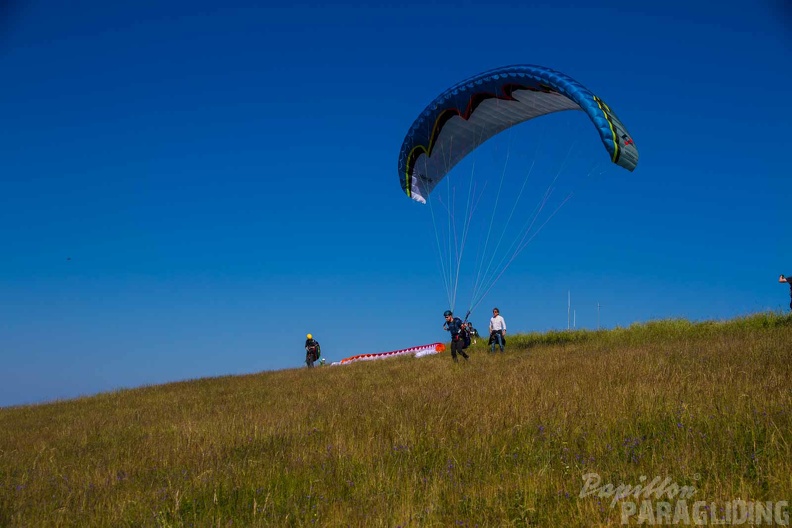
(447, 313)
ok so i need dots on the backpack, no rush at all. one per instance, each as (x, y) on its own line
(465, 335)
(314, 348)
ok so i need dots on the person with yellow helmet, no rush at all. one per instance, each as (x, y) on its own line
(312, 350)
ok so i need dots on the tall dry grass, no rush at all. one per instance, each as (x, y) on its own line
(502, 440)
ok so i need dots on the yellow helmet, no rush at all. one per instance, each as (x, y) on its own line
(309, 336)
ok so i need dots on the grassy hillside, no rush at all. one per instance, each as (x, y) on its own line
(503, 440)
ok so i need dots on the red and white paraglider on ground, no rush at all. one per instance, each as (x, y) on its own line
(418, 351)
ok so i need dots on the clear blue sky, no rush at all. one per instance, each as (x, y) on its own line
(187, 189)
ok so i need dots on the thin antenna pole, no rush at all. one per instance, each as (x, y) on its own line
(569, 305)
(598, 315)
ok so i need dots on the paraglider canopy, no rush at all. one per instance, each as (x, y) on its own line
(476, 109)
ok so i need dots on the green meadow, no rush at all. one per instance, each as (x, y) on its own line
(501, 440)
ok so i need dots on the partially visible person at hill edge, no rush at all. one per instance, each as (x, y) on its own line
(789, 281)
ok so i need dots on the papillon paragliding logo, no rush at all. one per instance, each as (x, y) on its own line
(463, 118)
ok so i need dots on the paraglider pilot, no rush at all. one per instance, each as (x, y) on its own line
(455, 326)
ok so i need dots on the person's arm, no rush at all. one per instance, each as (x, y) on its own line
(783, 279)
(503, 324)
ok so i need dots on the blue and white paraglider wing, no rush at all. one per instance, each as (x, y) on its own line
(471, 112)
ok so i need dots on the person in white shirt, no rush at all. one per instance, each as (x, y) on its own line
(497, 330)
